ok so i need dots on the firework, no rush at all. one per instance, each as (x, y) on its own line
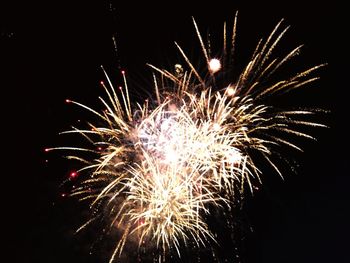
(162, 165)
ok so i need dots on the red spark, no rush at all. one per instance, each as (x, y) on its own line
(73, 174)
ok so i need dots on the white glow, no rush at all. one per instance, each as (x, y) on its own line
(216, 127)
(234, 156)
(230, 91)
(214, 65)
(171, 156)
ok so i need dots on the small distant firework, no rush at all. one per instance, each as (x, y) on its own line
(161, 167)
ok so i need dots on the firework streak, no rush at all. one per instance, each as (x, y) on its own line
(162, 165)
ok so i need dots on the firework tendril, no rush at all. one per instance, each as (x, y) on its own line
(163, 164)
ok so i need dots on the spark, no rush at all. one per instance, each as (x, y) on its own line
(230, 91)
(73, 175)
(214, 65)
(159, 167)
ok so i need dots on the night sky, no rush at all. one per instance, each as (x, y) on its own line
(53, 51)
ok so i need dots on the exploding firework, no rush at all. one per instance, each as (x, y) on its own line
(162, 166)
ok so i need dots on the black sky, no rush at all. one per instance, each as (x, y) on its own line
(53, 51)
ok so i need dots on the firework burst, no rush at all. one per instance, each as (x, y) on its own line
(162, 165)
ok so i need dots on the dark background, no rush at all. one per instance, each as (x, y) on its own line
(53, 51)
